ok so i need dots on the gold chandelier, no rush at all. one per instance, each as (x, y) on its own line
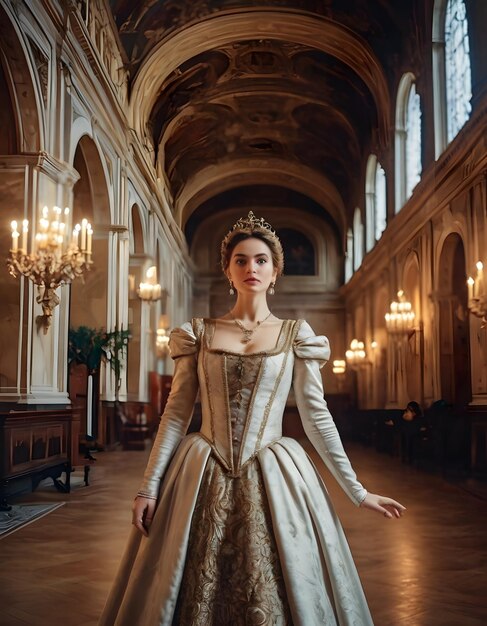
(401, 317)
(477, 297)
(55, 257)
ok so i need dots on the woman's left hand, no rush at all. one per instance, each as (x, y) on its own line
(381, 504)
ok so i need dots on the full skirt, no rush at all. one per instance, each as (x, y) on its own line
(265, 548)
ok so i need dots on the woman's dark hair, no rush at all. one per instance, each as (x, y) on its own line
(415, 408)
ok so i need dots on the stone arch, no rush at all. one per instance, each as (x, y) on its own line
(453, 328)
(81, 126)
(22, 132)
(136, 229)
(91, 201)
(320, 33)
(23, 87)
(91, 299)
(212, 180)
(139, 313)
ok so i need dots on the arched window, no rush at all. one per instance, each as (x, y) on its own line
(452, 77)
(408, 165)
(375, 202)
(358, 240)
(380, 202)
(457, 67)
(349, 256)
(413, 142)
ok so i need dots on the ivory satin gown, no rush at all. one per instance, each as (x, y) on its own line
(244, 532)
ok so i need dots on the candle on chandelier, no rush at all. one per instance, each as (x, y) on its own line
(470, 283)
(76, 230)
(15, 236)
(44, 224)
(25, 230)
(62, 233)
(480, 278)
(84, 224)
(89, 236)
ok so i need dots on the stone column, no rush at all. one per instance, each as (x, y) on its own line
(49, 182)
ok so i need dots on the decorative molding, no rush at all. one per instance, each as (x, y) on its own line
(42, 66)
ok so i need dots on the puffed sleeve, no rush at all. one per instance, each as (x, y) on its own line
(311, 353)
(183, 345)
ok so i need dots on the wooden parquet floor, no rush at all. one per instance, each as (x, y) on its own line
(428, 569)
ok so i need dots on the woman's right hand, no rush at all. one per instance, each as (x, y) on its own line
(142, 513)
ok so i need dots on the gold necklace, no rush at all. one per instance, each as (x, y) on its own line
(248, 332)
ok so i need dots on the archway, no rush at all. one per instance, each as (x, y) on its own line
(21, 132)
(454, 357)
(91, 201)
(89, 297)
(137, 263)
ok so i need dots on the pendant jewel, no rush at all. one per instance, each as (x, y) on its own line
(247, 335)
(248, 332)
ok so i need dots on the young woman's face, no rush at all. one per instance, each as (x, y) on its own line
(251, 269)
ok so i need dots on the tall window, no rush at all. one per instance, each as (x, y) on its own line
(408, 165)
(375, 202)
(349, 256)
(457, 67)
(380, 202)
(358, 239)
(452, 76)
(413, 142)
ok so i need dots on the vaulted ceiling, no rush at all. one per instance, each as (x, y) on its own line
(281, 97)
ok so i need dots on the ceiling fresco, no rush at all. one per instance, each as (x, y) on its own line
(268, 99)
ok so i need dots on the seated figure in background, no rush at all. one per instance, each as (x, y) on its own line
(411, 425)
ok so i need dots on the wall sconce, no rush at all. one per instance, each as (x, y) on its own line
(356, 355)
(162, 337)
(401, 317)
(477, 297)
(55, 258)
(150, 290)
(162, 341)
(339, 369)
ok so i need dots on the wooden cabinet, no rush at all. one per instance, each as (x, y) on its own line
(35, 445)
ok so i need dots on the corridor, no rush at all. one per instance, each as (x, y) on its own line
(427, 569)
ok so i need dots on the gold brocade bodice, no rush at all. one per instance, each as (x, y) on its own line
(243, 396)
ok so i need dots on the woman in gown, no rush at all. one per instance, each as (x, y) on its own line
(233, 525)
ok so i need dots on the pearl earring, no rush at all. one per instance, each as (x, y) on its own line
(231, 291)
(271, 291)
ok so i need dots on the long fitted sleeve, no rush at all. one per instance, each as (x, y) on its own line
(179, 408)
(311, 353)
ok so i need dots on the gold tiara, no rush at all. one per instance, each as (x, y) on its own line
(252, 222)
(249, 223)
